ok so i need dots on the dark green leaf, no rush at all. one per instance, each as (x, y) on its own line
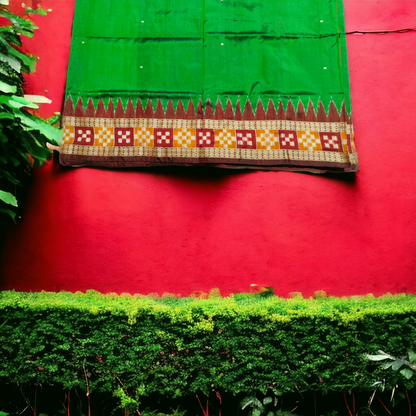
(4, 115)
(8, 212)
(8, 177)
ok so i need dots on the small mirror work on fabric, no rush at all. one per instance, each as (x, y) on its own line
(239, 84)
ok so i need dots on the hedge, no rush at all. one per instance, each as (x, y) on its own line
(241, 344)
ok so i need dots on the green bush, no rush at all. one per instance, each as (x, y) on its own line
(23, 136)
(173, 346)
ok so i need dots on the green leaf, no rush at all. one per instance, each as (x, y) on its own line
(245, 402)
(19, 102)
(6, 29)
(18, 21)
(53, 134)
(28, 61)
(11, 37)
(39, 99)
(4, 115)
(398, 363)
(412, 356)
(407, 372)
(267, 400)
(379, 357)
(8, 177)
(14, 63)
(393, 390)
(39, 10)
(256, 412)
(7, 88)
(8, 198)
(54, 119)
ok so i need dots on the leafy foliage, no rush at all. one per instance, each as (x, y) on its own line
(174, 346)
(23, 136)
(267, 406)
(395, 363)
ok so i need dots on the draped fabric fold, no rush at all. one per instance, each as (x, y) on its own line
(230, 83)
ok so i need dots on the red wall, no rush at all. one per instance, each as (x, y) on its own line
(179, 230)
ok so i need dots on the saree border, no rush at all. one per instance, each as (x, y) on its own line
(274, 140)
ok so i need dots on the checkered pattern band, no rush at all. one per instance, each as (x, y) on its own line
(215, 141)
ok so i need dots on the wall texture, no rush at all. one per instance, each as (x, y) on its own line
(181, 230)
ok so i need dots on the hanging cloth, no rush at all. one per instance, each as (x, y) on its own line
(230, 83)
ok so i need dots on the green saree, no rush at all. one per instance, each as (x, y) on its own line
(230, 83)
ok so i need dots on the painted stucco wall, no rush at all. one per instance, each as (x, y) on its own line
(180, 230)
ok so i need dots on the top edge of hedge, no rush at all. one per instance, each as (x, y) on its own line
(243, 343)
(214, 305)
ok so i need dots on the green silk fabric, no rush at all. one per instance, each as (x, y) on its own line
(178, 49)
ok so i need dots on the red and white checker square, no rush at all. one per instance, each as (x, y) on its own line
(331, 141)
(163, 137)
(246, 139)
(124, 136)
(84, 136)
(205, 138)
(288, 139)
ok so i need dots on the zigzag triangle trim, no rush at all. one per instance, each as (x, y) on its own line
(208, 112)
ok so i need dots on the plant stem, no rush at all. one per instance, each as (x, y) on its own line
(388, 411)
(219, 398)
(370, 400)
(203, 411)
(408, 401)
(345, 398)
(88, 391)
(26, 399)
(353, 404)
(36, 395)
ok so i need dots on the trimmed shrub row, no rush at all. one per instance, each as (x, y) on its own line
(173, 346)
